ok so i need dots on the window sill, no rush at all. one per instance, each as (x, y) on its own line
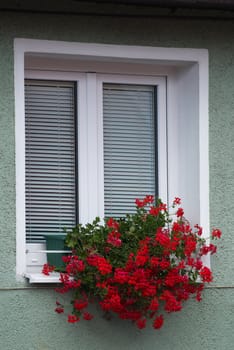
(54, 277)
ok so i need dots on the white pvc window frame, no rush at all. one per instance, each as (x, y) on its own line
(90, 133)
(184, 165)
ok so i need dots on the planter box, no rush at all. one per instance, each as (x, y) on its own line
(55, 242)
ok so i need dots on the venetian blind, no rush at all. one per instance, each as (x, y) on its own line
(129, 146)
(50, 157)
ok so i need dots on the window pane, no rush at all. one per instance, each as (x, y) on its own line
(129, 146)
(50, 157)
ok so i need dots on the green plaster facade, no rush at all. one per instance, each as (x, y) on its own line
(26, 313)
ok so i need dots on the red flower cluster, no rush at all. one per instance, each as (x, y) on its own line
(142, 203)
(216, 233)
(114, 239)
(100, 263)
(134, 264)
(47, 269)
(177, 201)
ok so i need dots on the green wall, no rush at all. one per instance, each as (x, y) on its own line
(26, 314)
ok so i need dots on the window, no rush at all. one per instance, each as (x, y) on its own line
(104, 118)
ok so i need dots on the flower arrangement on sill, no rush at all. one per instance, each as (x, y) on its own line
(136, 265)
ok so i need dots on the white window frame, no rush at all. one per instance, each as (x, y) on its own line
(183, 124)
(90, 133)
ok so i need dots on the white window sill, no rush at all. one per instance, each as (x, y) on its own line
(54, 277)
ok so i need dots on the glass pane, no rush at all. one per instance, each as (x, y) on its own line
(129, 115)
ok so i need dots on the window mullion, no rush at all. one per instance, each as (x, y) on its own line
(94, 179)
(83, 151)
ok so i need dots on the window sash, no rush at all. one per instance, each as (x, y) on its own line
(50, 158)
(129, 130)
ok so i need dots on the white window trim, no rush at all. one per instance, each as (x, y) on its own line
(186, 71)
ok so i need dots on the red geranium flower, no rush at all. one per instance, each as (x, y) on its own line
(141, 323)
(113, 239)
(59, 310)
(206, 274)
(112, 224)
(180, 212)
(87, 316)
(158, 322)
(72, 319)
(216, 233)
(177, 201)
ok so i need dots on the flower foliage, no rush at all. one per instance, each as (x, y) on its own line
(137, 267)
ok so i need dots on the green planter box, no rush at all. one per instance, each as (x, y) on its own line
(55, 242)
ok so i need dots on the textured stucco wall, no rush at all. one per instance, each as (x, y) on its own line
(26, 316)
